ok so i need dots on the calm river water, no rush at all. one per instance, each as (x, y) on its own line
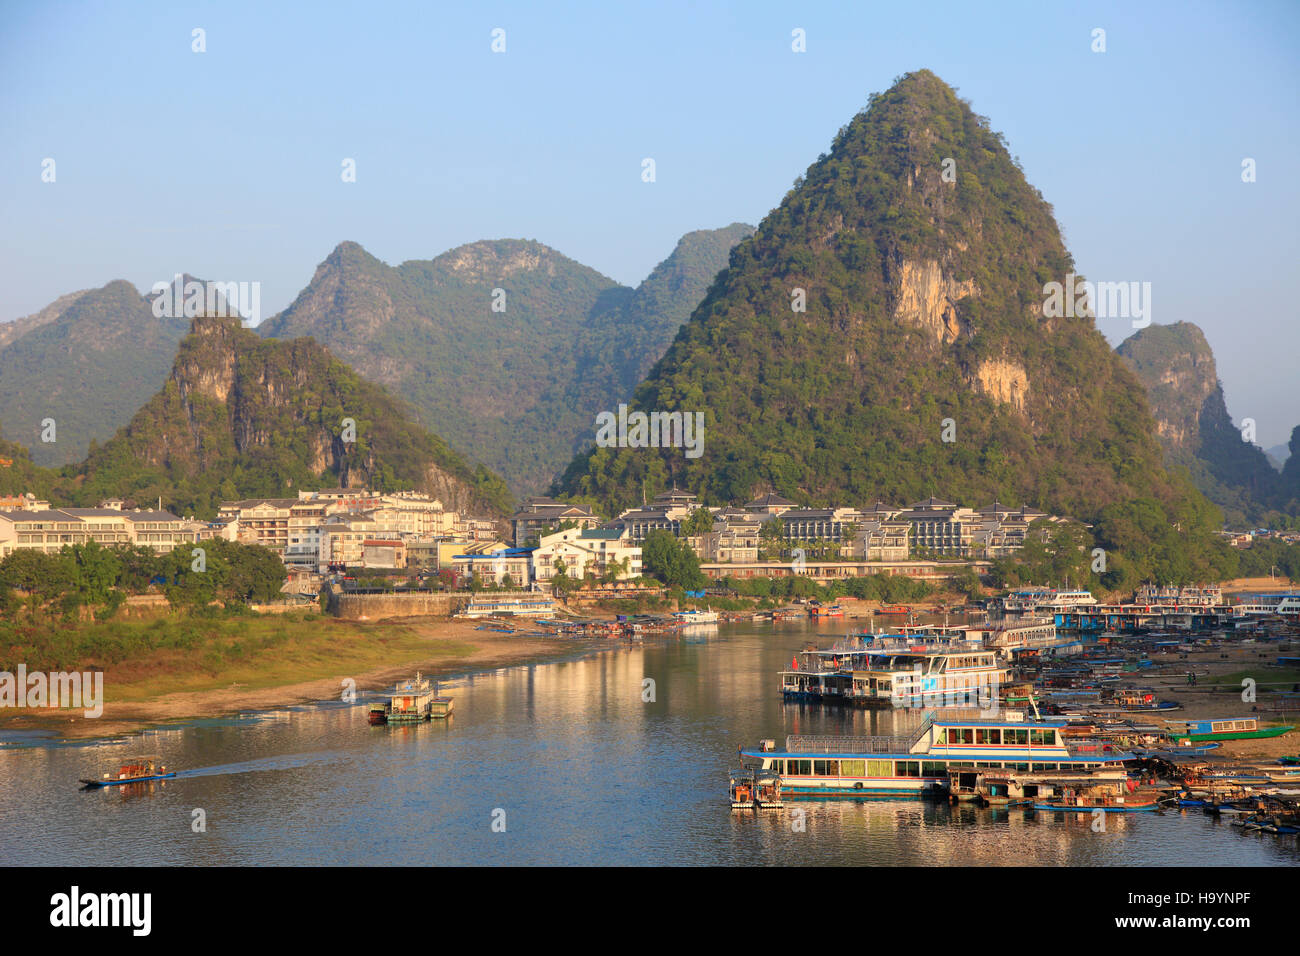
(585, 772)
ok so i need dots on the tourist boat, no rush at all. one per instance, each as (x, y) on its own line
(895, 609)
(1018, 788)
(826, 610)
(1204, 596)
(767, 790)
(696, 617)
(918, 764)
(882, 677)
(136, 770)
(1024, 600)
(412, 701)
(1231, 728)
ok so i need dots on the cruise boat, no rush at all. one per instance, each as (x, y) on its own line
(912, 677)
(1204, 596)
(918, 764)
(532, 605)
(1267, 605)
(1024, 600)
(1036, 600)
(1065, 601)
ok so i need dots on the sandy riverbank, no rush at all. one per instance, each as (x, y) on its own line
(439, 648)
(1218, 693)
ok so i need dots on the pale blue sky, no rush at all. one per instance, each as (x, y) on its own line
(226, 164)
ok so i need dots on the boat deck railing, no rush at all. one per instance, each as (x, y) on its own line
(826, 744)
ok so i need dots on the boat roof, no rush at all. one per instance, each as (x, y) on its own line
(989, 722)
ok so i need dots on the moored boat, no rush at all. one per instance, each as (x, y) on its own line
(741, 786)
(412, 701)
(918, 764)
(1109, 803)
(1231, 728)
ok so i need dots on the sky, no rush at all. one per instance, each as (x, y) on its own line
(228, 163)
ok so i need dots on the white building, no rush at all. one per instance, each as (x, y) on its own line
(586, 549)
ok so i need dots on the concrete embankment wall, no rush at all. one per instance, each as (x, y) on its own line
(373, 607)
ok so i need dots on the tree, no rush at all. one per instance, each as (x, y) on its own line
(700, 521)
(671, 561)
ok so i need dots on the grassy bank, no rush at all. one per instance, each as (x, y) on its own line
(180, 666)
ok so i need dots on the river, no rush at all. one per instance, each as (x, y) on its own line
(556, 763)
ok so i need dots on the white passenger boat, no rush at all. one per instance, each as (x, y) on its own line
(918, 764)
(921, 677)
(697, 617)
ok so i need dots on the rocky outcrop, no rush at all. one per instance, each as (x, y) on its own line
(1176, 366)
(928, 299)
(1003, 381)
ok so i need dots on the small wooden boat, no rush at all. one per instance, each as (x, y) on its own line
(1107, 802)
(136, 770)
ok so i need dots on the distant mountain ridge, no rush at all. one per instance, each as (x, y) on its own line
(516, 386)
(88, 361)
(1176, 365)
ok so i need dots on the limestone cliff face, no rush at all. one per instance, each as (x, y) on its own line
(927, 299)
(490, 260)
(1003, 381)
(1176, 365)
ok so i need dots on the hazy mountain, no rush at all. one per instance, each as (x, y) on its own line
(88, 361)
(516, 386)
(1278, 455)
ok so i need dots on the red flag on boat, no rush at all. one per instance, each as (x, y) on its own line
(794, 663)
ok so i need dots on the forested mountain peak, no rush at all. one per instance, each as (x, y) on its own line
(883, 335)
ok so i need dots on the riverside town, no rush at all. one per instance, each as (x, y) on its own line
(778, 465)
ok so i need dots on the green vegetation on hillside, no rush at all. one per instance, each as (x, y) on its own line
(36, 586)
(923, 303)
(242, 417)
